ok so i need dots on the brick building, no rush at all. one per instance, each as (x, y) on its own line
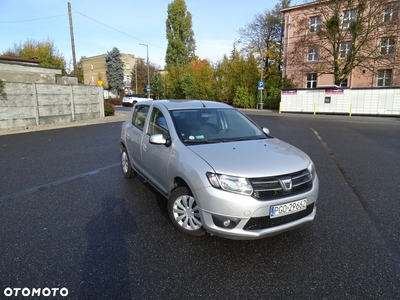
(310, 56)
(95, 66)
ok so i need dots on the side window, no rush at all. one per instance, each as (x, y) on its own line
(139, 116)
(158, 123)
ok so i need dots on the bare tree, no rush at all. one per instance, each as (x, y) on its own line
(264, 38)
(338, 36)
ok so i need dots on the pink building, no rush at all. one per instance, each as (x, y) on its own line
(310, 55)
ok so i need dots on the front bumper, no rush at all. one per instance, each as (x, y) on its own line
(249, 217)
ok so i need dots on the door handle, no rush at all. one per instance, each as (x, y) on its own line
(144, 147)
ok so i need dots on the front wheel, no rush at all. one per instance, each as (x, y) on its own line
(184, 212)
(126, 165)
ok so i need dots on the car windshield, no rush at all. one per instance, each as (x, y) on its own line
(207, 125)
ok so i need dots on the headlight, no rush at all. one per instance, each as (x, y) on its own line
(230, 183)
(311, 170)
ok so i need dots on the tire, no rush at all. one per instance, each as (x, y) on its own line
(126, 165)
(184, 213)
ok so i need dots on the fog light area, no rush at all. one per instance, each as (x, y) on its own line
(225, 222)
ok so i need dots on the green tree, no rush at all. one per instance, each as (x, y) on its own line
(157, 85)
(243, 98)
(114, 70)
(181, 44)
(351, 35)
(230, 74)
(44, 51)
(79, 71)
(203, 75)
(139, 76)
(187, 85)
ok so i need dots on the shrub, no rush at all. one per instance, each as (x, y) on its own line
(243, 98)
(109, 109)
(114, 101)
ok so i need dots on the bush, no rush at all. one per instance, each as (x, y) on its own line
(243, 98)
(114, 101)
(109, 109)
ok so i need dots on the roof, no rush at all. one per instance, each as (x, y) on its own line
(318, 2)
(191, 104)
(19, 60)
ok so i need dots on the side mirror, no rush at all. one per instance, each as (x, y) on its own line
(266, 130)
(157, 139)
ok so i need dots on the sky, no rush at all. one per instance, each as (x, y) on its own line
(100, 25)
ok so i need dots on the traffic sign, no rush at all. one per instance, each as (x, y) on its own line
(261, 85)
(148, 87)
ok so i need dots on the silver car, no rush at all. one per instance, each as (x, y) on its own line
(220, 172)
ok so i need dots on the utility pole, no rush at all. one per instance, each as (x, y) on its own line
(148, 72)
(71, 30)
(136, 74)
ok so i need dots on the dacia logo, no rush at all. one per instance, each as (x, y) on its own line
(286, 184)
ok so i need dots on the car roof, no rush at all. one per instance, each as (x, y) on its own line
(191, 104)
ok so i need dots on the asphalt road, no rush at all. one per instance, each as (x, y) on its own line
(70, 220)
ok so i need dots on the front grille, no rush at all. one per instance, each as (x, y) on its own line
(267, 222)
(268, 188)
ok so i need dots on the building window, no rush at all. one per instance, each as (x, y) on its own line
(344, 49)
(315, 24)
(127, 66)
(388, 45)
(312, 54)
(391, 12)
(348, 17)
(385, 77)
(91, 67)
(311, 80)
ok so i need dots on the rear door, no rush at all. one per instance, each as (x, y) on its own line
(134, 135)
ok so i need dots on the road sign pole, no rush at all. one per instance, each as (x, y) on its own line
(260, 105)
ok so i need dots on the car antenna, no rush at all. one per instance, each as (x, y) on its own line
(203, 103)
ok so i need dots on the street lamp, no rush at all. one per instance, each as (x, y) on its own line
(148, 71)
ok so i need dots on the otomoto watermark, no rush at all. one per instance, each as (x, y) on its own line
(35, 292)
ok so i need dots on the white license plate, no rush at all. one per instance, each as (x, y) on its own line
(287, 208)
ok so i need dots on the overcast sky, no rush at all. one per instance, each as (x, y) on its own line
(101, 25)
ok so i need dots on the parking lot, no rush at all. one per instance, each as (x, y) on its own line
(69, 219)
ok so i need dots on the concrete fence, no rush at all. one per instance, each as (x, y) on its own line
(357, 101)
(26, 104)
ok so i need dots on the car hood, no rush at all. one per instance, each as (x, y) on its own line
(253, 158)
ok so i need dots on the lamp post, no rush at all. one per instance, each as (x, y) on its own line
(148, 71)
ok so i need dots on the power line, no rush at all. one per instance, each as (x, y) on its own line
(30, 20)
(117, 30)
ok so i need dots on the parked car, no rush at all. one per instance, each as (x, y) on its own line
(220, 172)
(131, 99)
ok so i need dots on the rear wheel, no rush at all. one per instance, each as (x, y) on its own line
(184, 212)
(126, 165)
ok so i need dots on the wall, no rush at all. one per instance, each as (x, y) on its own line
(26, 104)
(367, 101)
(17, 72)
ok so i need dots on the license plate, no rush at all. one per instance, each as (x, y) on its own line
(287, 208)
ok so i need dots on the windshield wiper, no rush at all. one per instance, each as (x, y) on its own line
(200, 141)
